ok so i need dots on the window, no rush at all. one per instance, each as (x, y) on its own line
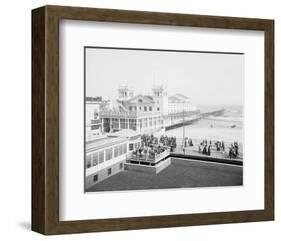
(130, 108)
(158, 109)
(132, 124)
(95, 159)
(145, 122)
(121, 165)
(145, 108)
(108, 154)
(123, 123)
(108, 171)
(120, 150)
(115, 123)
(95, 178)
(140, 108)
(116, 151)
(131, 147)
(140, 123)
(88, 161)
(140, 100)
(95, 122)
(95, 127)
(106, 124)
(101, 156)
(124, 148)
(150, 121)
(150, 108)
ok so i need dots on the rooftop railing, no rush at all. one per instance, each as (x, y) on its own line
(214, 151)
(197, 147)
(130, 114)
(149, 156)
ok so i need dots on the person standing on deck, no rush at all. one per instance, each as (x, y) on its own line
(209, 150)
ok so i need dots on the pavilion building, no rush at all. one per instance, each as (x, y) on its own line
(144, 113)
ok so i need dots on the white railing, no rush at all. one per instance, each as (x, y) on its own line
(147, 157)
(130, 114)
(194, 150)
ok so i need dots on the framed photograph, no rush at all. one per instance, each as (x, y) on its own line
(150, 120)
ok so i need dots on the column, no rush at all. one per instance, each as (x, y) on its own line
(110, 125)
(102, 125)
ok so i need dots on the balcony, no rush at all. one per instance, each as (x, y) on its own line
(129, 114)
(147, 157)
(118, 114)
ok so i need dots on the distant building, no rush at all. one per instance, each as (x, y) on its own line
(93, 122)
(179, 103)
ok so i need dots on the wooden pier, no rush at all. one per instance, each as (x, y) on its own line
(188, 120)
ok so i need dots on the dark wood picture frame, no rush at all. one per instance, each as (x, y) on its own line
(45, 119)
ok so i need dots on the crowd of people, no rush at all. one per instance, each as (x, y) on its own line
(151, 146)
(151, 140)
(155, 145)
(149, 152)
(168, 141)
(188, 142)
(205, 147)
(234, 150)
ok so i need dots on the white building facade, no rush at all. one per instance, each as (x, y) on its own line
(143, 113)
(106, 156)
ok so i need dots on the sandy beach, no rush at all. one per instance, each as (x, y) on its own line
(227, 128)
(210, 129)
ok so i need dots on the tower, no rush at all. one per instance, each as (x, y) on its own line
(124, 93)
(160, 97)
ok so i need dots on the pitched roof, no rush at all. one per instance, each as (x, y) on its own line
(103, 142)
(114, 106)
(179, 98)
(182, 96)
(146, 99)
(128, 133)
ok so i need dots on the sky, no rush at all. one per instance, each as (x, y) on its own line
(207, 78)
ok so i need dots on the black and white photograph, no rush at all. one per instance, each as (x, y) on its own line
(162, 119)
